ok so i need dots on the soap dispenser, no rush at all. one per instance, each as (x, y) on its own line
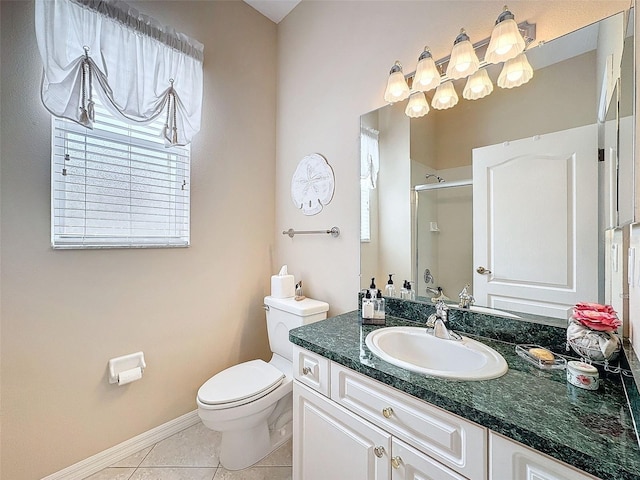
(379, 309)
(367, 307)
(390, 289)
(403, 291)
(372, 288)
(411, 294)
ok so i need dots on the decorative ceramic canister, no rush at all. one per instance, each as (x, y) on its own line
(583, 375)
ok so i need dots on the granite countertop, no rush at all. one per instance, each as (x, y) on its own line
(593, 431)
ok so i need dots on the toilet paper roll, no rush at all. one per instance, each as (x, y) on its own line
(129, 376)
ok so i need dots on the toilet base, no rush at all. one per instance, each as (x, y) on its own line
(236, 453)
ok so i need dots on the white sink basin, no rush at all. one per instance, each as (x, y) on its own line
(417, 350)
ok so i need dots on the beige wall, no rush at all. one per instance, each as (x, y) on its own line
(558, 97)
(192, 311)
(333, 61)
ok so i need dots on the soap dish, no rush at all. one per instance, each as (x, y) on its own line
(551, 362)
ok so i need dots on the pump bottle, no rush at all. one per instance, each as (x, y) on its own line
(379, 308)
(367, 306)
(390, 289)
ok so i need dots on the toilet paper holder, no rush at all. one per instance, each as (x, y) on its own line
(126, 362)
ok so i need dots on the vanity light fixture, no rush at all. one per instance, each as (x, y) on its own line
(515, 72)
(478, 85)
(506, 40)
(397, 88)
(445, 96)
(427, 75)
(507, 44)
(463, 61)
(417, 106)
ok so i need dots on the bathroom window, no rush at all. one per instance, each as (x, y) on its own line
(117, 185)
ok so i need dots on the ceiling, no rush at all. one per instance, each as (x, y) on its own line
(275, 10)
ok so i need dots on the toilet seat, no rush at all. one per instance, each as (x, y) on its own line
(240, 384)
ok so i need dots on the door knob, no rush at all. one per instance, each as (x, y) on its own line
(387, 412)
(306, 370)
(379, 451)
(396, 462)
(483, 271)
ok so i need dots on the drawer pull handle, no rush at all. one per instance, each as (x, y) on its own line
(396, 462)
(379, 451)
(387, 412)
(306, 371)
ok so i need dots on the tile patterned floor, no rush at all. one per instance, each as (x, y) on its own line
(193, 455)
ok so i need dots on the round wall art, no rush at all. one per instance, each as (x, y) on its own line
(312, 184)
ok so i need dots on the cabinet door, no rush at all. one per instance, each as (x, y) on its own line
(329, 442)
(514, 461)
(411, 464)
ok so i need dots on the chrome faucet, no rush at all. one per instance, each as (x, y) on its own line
(437, 321)
(466, 299)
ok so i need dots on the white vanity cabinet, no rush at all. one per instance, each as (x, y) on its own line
(512, 460)
(347, 426)
(331, 443)
(359, 428)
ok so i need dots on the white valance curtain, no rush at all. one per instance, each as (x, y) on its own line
(369, 157)
(137, 68)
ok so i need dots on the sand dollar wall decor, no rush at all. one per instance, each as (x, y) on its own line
(312, 184)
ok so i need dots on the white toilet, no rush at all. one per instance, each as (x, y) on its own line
(251, 403)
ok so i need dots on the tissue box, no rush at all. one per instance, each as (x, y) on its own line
(283, 286)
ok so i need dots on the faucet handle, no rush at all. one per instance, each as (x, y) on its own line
(441, 310)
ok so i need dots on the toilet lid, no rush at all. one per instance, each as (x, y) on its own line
(240, 384)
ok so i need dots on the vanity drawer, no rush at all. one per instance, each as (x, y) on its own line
(453, 441)
(311, 369)
(509, 459)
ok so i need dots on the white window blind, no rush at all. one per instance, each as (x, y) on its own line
(117, 185)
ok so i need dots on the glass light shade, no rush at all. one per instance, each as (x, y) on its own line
(445, 96)
(515, 72)
(478, 86)
(506, 40)
(397, 88)
(427, 74)
(417, 106)
(463, 61)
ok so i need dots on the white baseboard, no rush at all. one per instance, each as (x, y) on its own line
(108, 457)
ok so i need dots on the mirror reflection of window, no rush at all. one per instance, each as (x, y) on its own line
(369, 168)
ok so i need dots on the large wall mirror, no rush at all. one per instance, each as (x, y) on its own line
(515, 194)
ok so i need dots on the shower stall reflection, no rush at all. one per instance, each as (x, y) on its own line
(443, 238)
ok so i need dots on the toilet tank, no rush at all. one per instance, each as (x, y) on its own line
(283, 314)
